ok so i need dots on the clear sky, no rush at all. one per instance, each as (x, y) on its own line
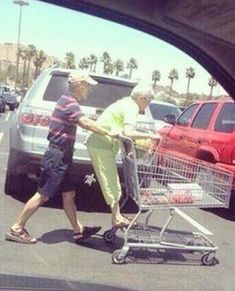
(56, 31)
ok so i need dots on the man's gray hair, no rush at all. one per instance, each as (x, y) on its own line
(142, 90)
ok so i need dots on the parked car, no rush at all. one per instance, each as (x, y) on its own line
(29, 126)
(160, 109)
(205, 130)
(11, 100)
(2, 105)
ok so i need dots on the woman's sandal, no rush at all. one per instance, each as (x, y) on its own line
(130, 219)
(88, 231)
(122, 224)
(21, 236)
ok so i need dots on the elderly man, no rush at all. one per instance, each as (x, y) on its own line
(119, 117)
(57, 161)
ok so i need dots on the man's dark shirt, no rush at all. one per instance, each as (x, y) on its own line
(63, 125)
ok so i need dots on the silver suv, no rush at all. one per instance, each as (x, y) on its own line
(29, 126)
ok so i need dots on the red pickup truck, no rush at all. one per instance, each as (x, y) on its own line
(205, 130)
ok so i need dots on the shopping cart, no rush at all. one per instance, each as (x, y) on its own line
(156, 179)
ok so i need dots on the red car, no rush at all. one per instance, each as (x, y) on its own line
(205, 130)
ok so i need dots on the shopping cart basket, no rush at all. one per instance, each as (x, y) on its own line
(156, 179)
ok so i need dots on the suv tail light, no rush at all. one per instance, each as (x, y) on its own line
(35, 119)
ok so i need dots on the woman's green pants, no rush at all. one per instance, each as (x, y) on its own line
(102, 151)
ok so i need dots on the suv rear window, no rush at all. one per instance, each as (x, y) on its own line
(225, 121)
(105, 93)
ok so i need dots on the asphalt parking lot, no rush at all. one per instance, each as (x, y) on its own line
(55, 262)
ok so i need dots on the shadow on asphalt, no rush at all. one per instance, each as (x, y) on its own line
(226, 213)
(95, 242)
(18, 282)
(137, 255)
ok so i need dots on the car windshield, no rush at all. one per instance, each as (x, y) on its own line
(100, 96)
(159, 111)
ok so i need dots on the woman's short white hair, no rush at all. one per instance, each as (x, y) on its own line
(142, 90)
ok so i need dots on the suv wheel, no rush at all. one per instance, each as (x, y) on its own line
(14, 185)
(2, 109)
(20, 186)
(17, 184)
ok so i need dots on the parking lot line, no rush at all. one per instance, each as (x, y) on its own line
(7, 116)
(1, 136)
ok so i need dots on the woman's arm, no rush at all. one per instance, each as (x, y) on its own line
(134, 134)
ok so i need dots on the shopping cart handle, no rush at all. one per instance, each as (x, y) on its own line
(123, 138)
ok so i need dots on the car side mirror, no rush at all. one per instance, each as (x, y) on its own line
(183, 122)
(170, 118)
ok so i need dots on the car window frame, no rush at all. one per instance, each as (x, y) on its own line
(226, 129)
(198, 116)
(182, 115)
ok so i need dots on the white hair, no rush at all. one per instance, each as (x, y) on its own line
(142, 90)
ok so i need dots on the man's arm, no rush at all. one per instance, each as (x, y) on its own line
(92, 125)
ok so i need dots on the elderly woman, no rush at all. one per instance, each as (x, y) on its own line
(119, 117)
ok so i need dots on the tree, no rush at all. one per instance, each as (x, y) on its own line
(212, 83)
(118, 66)
(106, 59)
(30, 52)
(173, 75)
(92, 60)
(109, 68)
(155, 77)
(190, 74)
(38, 61)
(23, 56)
(70, 61)
(131, 65)
(84, 63)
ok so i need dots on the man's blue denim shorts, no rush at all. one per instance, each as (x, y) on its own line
(56, 172)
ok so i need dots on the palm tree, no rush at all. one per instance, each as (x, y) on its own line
(173, 75)
(23, 56)
(38, 61)
(106, 59)
(30, 52)
(83, 63)
(212, 83)
(132, 64)
(156, 76)
(70, 61)
(92, 61)
(118, 66)
(109, 68)
(190, 74)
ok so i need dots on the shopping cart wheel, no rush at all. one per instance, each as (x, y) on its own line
(208, 259)
(109, 235)
(119, 257)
